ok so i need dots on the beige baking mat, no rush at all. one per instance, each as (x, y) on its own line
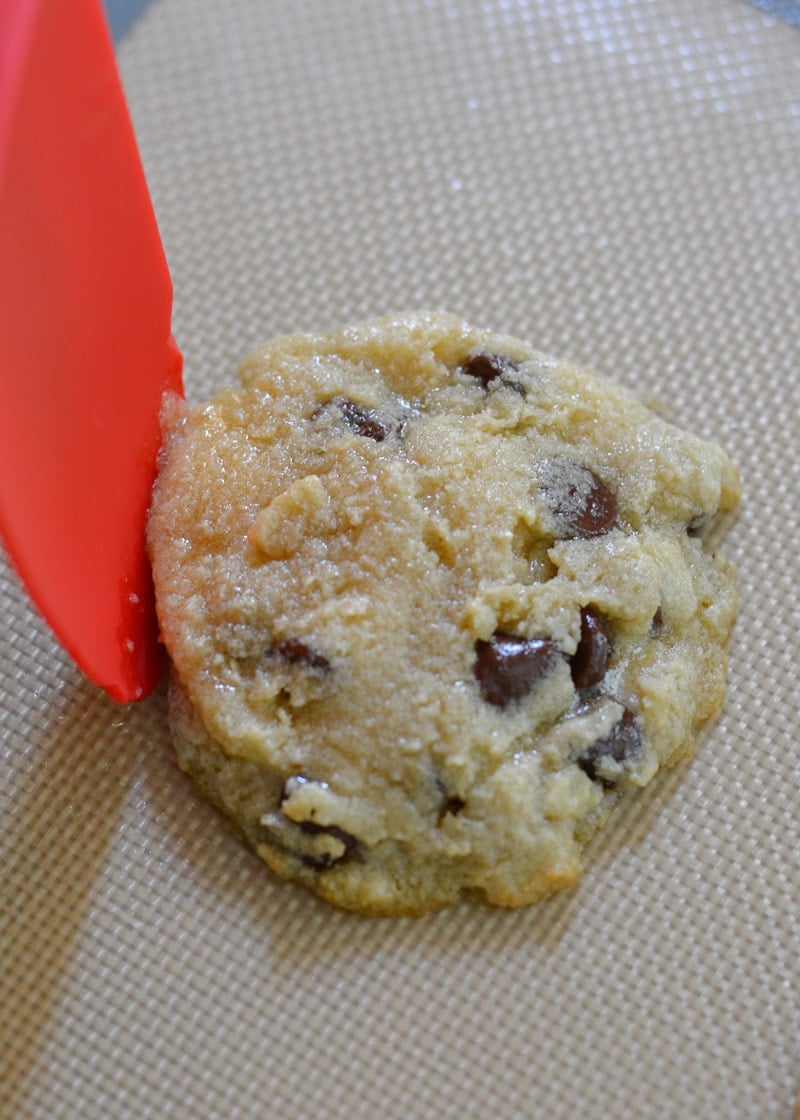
(619, 182)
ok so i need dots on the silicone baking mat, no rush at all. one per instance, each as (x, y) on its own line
(619, 182)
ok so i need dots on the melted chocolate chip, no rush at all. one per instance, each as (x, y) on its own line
(509, 666)
(324, 860)
(371, 423)
(623, 742)
(581, 503)
(488, 367)
(321, 860)
(293, 650)
(365, 421)
(589, 662)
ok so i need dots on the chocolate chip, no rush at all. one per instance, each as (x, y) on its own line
(318, 860)
(509, 666)
(589, 662)
(622, 742)
(324, 860)
(581, 503)
(365, 421)
(488, 367)
(293, 650)
(658, 622)
(371, 423)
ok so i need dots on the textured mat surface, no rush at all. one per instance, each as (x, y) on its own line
(617, 181)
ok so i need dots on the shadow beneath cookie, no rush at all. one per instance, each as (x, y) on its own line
(290, 925)
(55, 840)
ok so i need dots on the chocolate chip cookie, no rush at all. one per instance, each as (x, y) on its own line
(434, 602)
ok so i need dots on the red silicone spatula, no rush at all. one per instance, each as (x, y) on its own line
(85, 346)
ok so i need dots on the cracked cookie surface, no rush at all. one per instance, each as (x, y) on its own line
(433, 602)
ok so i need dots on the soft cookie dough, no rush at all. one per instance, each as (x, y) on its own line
(433, 602)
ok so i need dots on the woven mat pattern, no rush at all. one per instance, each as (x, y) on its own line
(619, 182)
